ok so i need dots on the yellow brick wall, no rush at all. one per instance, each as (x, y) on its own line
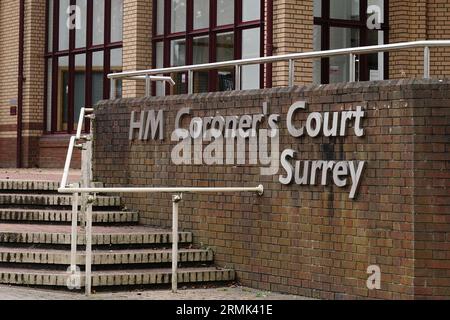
(414, 20)
(34, 63)
(407, 23)
(9, 42)
(438, 26)
(34, 74)
(137, 42)
(293, 32)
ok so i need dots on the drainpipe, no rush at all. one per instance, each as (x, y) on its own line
(269, 41)
(20, 83)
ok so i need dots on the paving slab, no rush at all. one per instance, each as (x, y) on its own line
(38, 174)
(54, 215)
(17, 199)
(101, 235)
(102, 257)
(125, 277)
(236, 293)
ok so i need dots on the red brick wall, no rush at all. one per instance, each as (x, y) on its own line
(312, 241)
(431, 196)
(53, 152)
(8, 152)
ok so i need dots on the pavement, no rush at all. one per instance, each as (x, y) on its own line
(38, 174)
(224, 293)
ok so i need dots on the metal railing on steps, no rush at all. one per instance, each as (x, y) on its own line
(84, 196)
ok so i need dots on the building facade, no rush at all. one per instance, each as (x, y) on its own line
(55, 54)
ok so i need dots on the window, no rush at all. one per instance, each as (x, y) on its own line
(84, 44)
(344, 24)
(189, 32)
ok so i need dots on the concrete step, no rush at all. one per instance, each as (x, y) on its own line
(23, 185)
(60, 235)
(102, 257)
(31, 185)
(36, 215)
(53, 200)
(43, 277)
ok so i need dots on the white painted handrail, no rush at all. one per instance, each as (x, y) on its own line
(176, 198)
(259, 189)
(83, 113)
(88, 194)
(148, 80)
(291, 58)
(65, 175)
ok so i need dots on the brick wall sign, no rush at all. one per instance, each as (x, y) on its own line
(355, 182)
(254, 140)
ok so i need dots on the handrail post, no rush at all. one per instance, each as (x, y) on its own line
(148, 87)
(113, 89)
(238, 77)
(352, 68)
(89, 168)
(73, 239)
(291, 72)
(190, 82)
(426, 63)
(175, 201)
(85, 177)
(88, 255)
(164, 88)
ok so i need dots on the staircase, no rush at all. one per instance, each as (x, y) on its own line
(35, 243)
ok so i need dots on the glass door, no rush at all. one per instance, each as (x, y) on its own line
(340, 65)
(342, 24)
(375, 36)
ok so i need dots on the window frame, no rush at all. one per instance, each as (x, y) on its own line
(326, 23)
(212, 31)
(71, 52)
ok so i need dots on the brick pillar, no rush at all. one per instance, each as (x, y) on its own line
(137, 42)
(438, 28)
(408, 22)
(34, 74)
(293, 32)
(9, 39)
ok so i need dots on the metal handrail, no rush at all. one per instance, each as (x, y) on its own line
(68, 161)
(176, 198)
(88, 194)
(148, 80)
(291, 58)
(72, 144)
(83, 113)
(259, 189)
